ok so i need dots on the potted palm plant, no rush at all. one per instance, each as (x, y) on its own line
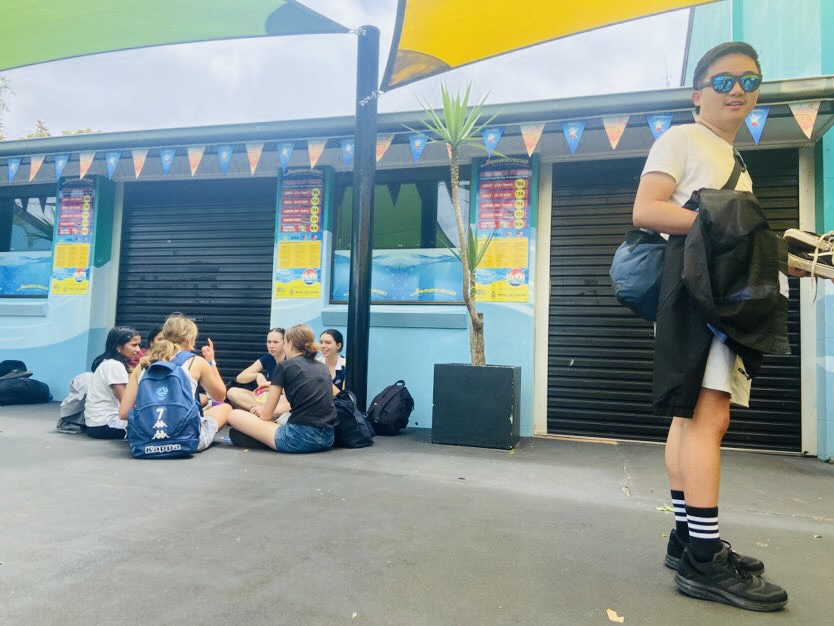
(474, 404)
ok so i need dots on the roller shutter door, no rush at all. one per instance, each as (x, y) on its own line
(203, 248)
(600, 355)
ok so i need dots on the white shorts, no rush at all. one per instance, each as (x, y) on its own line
(725, 372)
(208, 429)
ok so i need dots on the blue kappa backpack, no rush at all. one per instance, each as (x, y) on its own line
(165, 421)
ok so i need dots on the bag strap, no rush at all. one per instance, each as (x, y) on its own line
(738, 167)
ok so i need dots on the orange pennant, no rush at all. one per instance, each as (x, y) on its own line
(614, 127)
(383, 142)
(531, 133)
(253, 153)
(85, 160)
(35, 165)
(805, 114)
(195, 155)
(314, 149)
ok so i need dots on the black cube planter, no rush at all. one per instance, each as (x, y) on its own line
(476, 406)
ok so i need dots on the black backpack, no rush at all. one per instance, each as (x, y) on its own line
(390, 409)
(353, 429)
(16, 386)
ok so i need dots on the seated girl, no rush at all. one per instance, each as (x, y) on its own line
(331, 348)
(307, 384)
(258, 375)
(107, 386)
(179, 334)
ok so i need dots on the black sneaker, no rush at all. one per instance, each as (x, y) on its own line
(724, 580)
(676, 546)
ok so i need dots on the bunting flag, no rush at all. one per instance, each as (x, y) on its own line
(491, 138)
(756, 121)
(224, 154)
(573, 133)
(347, 150)
(614, 127)
(13, 165)
(805, 114)
(253, 153)
(140, 155)
(85, 160)
(284, 154)
(383, 142)
(111, 159)
(195, 155)
(418, 143)
(315, 147)
(659, 123)
(394, 190)
(60, 163)
(35, 163)
(166, 156)
(531, 133)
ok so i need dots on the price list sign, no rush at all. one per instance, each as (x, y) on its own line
(73, 239)
(298, 237)
(503, 211)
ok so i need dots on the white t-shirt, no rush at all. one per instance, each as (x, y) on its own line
(102, 407)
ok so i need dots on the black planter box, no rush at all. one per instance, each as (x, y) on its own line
(476, 406)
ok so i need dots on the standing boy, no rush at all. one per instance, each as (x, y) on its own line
(684, 159)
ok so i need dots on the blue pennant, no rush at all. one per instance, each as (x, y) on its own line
(14, 165)
(224, 153)
(756, 121)
(60, 164)
(166, 156)
(573, 133)
(347, 150)
(491, 138)
(284, 153)
(418, 143)
(659, 123)
(112, 160)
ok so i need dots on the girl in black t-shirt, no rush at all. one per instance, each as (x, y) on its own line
(307, 385)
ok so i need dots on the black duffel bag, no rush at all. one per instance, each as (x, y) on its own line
(17, 386)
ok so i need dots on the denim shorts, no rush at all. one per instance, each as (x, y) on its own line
(299, 438)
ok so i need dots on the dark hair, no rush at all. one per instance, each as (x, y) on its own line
(337, 336)
(719, 51)
(277, 329)
(116, 338)
(152, 333)
(302, 339)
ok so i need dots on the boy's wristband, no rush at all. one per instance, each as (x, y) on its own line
(212, 363)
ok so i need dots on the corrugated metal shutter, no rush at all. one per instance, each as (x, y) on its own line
(600, 355)
(203, 248)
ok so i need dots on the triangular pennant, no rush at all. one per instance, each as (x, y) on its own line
(491, 138)
(531, 133)
(347, 150)
(756, 121)
(35, 163)
(614, 126)
(383, 142)
(60, 163)
(195, 155)
(805, 114)
(659, 123)
(85, 160)
(394, 190)
(13, 165)
(166, 156)
(573, 133)
(315, 147)
(284, 154)
(253, 153)
(418, 143)
(111, 159)
(140, 155)
(224, 154)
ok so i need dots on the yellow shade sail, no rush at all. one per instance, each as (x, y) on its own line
(433, 36)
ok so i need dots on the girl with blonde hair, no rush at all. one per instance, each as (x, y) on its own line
(179, 334)
(307, 385)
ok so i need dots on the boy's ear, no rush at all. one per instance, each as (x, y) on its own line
(696, 97)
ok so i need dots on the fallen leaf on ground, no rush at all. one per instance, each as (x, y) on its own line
(665, 508)
(613, 617)
(355, 614)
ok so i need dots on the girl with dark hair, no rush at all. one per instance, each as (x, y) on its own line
(307, 384)
(110, 376)
(331, 341)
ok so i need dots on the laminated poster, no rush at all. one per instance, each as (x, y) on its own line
(504, 211)
(298, 238)
(73, 239)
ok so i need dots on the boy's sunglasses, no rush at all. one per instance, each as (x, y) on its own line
(723, 83)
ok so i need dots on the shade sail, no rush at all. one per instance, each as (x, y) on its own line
(433, 36)
(36, 31)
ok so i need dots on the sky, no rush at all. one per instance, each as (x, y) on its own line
(284, 78)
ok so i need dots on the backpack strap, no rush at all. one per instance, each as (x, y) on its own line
(180, 358)
(738, 167)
